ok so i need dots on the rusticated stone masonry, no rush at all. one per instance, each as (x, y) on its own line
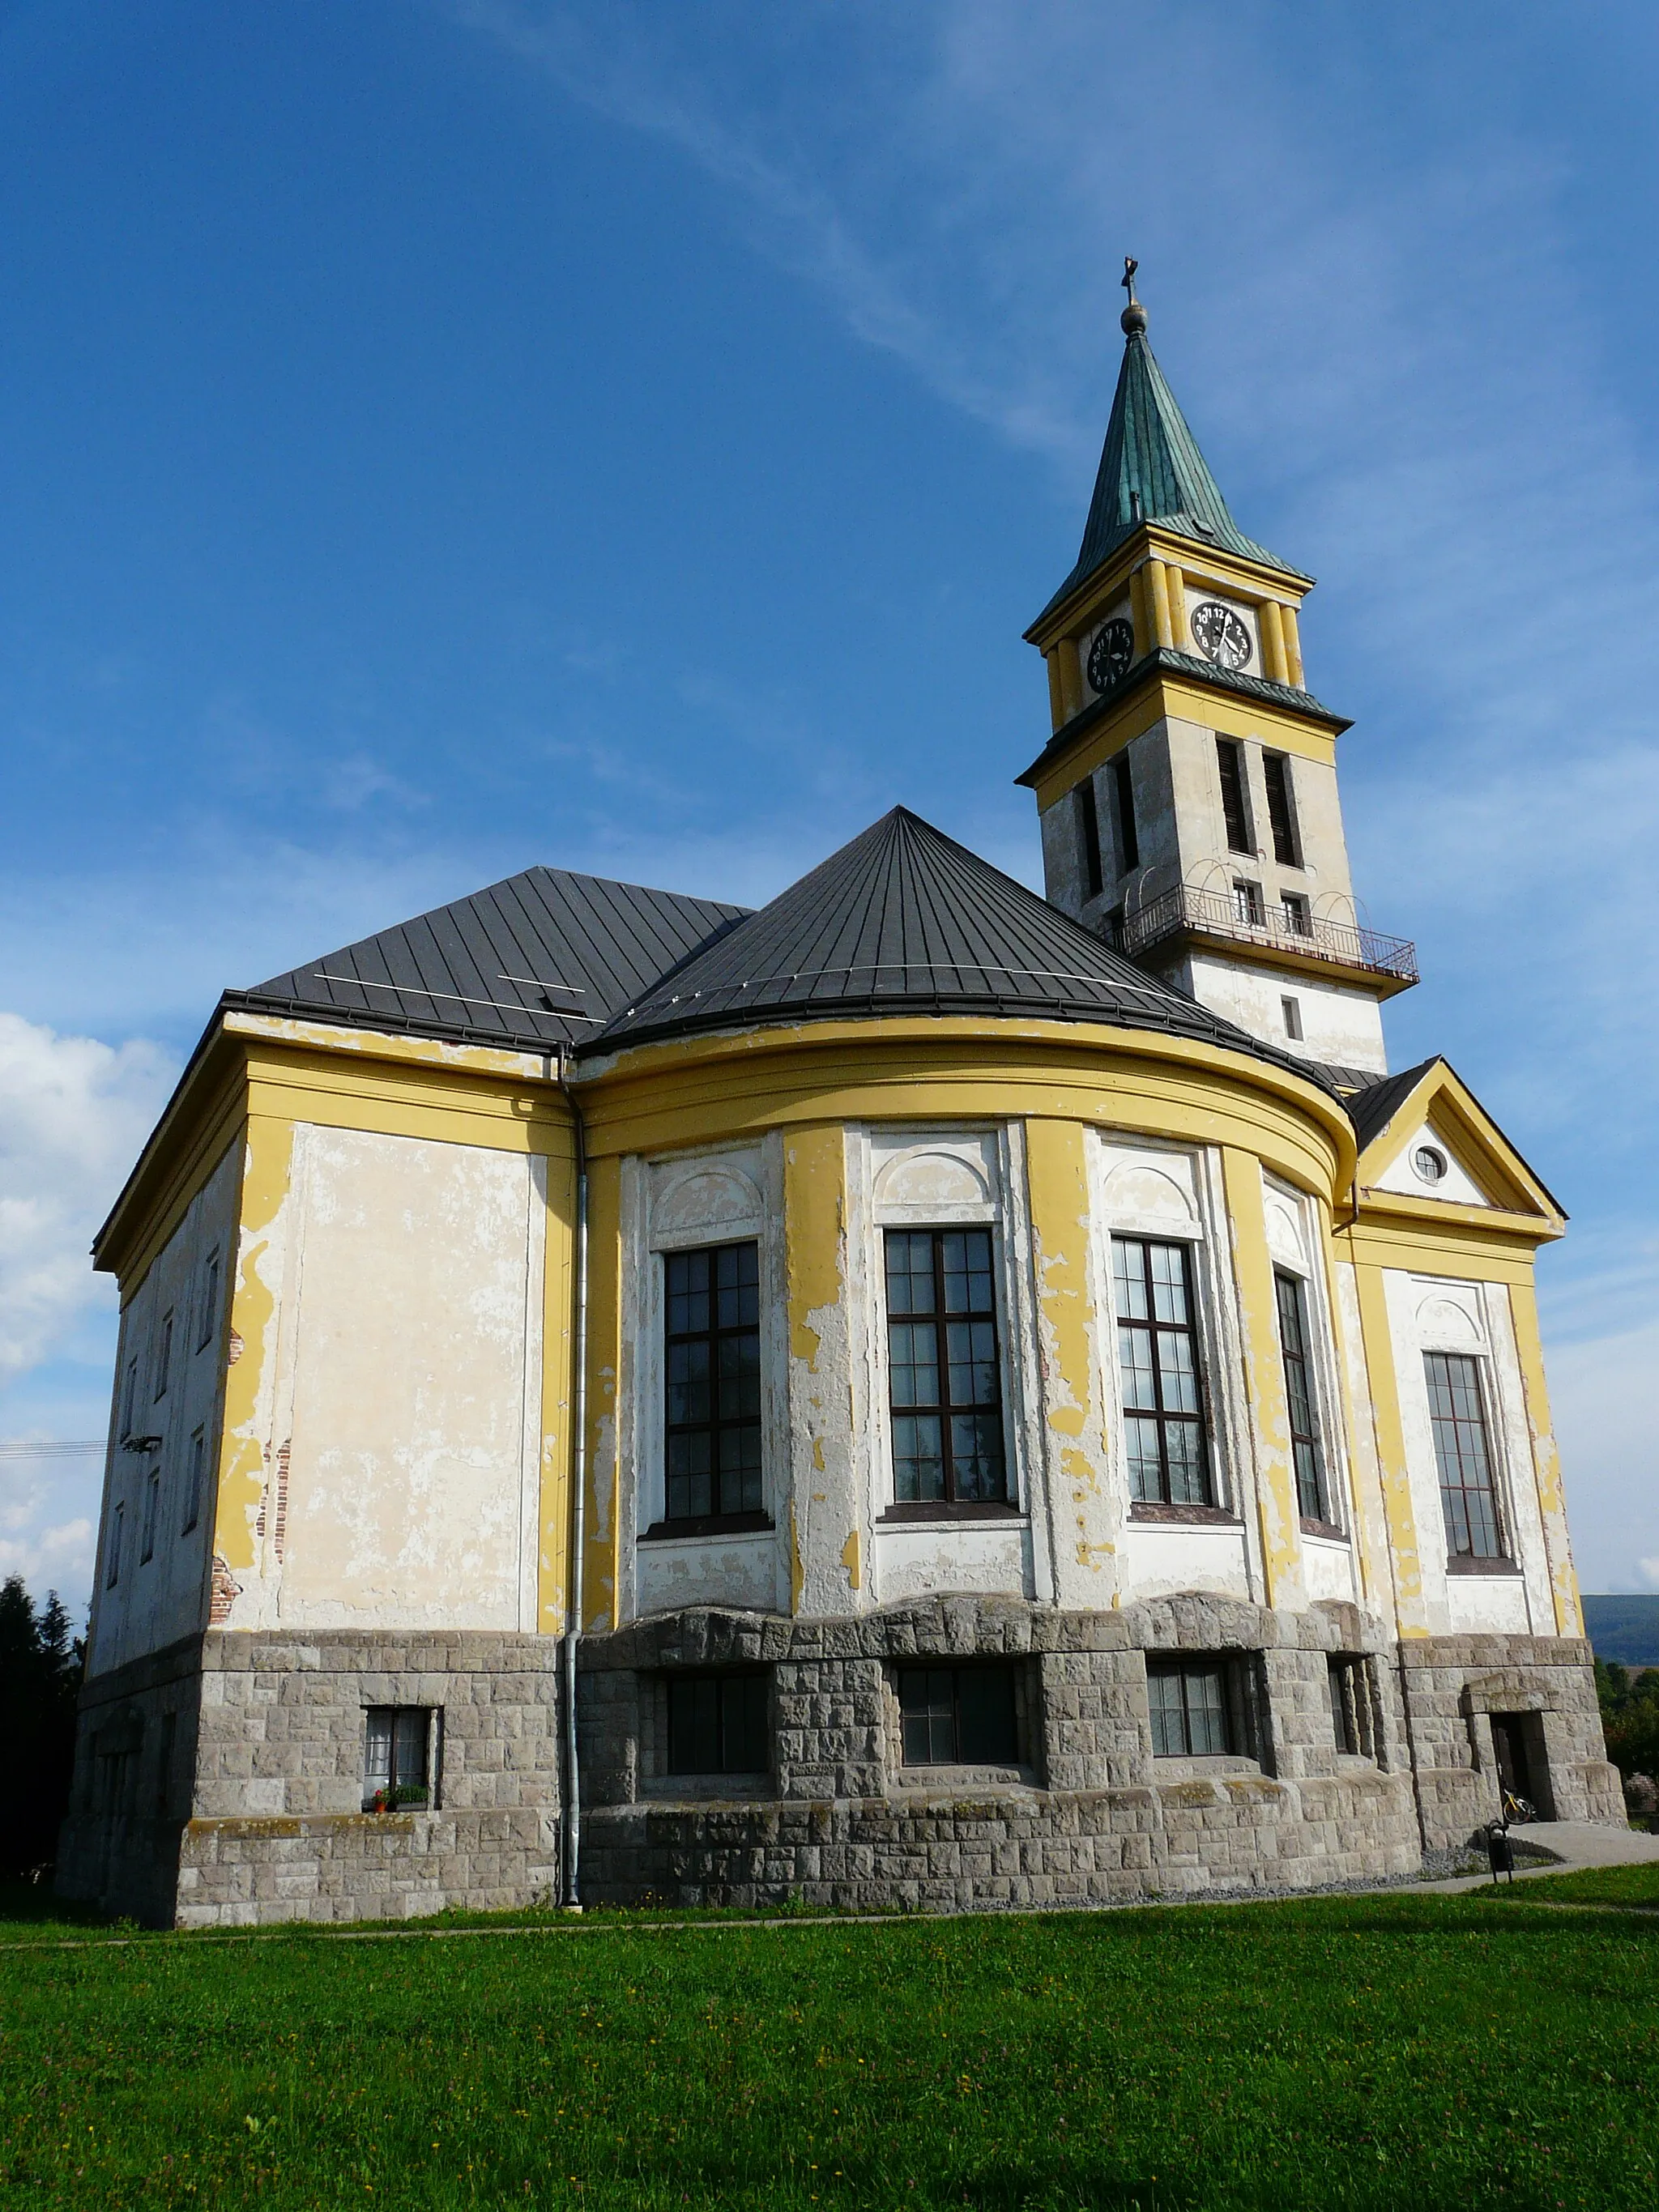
(221, 1781)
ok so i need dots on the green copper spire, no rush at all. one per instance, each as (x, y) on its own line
(1151, 469)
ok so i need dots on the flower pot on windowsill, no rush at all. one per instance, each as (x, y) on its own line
(404, 1798)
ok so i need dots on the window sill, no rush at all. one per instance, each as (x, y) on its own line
(1208, 1766)
(1471, 1563)
(1327, 1531)
(708, 1524)
(967, 1778)
(674, 1789)
(1198, 1516)
(949, 1509)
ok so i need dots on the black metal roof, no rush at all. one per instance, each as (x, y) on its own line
(543, 959)
(904, 921)
(1371, 1111)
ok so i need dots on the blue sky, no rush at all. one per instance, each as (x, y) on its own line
(435, 438)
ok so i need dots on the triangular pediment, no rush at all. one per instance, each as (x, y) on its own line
(1427, 1139)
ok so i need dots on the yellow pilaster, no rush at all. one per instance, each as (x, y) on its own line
(1390, 1432)
(1546, 1463)
(602, 1547)
(823, 1492)
(255, 1305)
(1157, 594)
(1071, 677)
(1274, 664)
(1057, 1171)
(1365, 1536)
(1292, 630)
(1056, 690)
(1278, 1516)
(1139, 615)
(1175, 584)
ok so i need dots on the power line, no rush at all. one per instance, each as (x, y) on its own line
(50, 1447)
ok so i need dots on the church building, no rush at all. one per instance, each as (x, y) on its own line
(919, 1395)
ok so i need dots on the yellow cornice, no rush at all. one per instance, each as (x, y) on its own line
(384, 1044)
(207, 1112)
(1163, 697)
(689, 1090)
(303, 1070)
(1472, 1242)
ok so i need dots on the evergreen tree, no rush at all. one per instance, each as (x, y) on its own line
(40, 1667)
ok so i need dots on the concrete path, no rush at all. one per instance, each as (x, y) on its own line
(1570, 1843)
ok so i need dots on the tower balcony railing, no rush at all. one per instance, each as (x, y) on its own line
(1186, 910)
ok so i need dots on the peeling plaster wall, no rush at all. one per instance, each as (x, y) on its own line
(157, 1600)
(398, 1422)
(1438, 1314)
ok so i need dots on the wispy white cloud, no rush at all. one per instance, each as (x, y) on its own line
(72, 1113)
(1374, 317)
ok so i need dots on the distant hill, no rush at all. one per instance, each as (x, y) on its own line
(1624, 1628)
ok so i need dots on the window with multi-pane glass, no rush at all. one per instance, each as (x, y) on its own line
(397, 1740)
(958, 1715)
(1312, 1498)
(712, 1443)
(944, 1371)
(1462, 1451)
(1157, 1359)
(1202, 1707)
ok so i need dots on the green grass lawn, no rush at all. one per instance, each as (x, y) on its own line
(1379, 2052)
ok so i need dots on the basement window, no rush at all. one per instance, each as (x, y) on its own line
(959, 1716)
(400, 1754)
(1353, 1706)
(1204, 1706)
(719, 1723)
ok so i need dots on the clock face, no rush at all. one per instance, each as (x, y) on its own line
(1109, 655)
(1219, 634)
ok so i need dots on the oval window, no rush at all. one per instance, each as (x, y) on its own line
(1429, 1164)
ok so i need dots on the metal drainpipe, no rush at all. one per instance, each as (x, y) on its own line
(573, 1628)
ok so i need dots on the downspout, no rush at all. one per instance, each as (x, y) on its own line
(573, 1620)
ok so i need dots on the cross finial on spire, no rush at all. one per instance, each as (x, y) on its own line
(1134, 315)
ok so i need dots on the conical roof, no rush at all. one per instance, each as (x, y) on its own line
(1151, 471)
(904, 921)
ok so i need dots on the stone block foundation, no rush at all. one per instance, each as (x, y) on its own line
(221, 1783)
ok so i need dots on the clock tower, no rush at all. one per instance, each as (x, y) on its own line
(1189, 794)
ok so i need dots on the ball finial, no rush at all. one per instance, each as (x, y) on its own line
(1134, 316)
